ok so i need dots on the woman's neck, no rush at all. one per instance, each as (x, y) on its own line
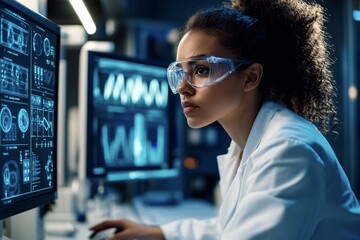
(239, 125)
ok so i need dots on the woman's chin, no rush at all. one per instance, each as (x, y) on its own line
(196, 124)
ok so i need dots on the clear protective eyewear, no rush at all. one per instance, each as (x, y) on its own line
(204, 71)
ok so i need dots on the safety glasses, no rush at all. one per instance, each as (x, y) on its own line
(204, 71)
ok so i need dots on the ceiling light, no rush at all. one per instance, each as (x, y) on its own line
(84, 16)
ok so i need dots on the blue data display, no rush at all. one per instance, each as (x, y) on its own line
(128, 115)
(28, 97)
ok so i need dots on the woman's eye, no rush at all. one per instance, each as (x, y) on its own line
(201, 71)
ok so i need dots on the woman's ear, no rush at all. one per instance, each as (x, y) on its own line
(254, 74)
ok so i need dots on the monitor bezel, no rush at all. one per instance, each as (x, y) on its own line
(44, 196)
(129, 173)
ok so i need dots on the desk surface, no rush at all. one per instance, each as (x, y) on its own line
(60, 227)
(164, 214)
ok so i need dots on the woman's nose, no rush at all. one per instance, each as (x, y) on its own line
(185, 88)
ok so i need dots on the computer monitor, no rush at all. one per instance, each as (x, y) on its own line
(129, 124)
(29, 56)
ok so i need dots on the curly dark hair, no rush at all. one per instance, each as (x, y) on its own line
(288, 38)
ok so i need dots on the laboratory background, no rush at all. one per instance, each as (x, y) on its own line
(113, 137)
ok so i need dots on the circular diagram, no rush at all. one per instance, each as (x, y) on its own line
(5, 119)
(23, 120)
(37, 44)
(10, 174)
(47, 47)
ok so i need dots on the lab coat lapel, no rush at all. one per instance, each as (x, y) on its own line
(259, 127)
(230, 195)
(232, 189)
(226, 165)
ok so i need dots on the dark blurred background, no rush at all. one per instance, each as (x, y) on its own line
(148, 30)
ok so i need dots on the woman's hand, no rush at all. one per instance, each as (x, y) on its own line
(127, 229)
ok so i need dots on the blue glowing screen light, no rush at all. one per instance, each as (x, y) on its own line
(356, 15)
(130, 125)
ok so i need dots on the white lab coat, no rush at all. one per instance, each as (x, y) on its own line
(288, 185)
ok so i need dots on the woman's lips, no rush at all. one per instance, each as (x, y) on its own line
(189, 107)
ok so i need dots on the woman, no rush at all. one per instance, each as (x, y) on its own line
(261, 69)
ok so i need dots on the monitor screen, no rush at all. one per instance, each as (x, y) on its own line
(29, 54)
(129, 119)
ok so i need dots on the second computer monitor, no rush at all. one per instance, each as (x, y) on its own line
(129, 119)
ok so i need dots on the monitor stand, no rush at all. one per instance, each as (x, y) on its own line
(2, 237)
(31, 222)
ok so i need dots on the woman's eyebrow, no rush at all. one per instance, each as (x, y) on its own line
(195, 57)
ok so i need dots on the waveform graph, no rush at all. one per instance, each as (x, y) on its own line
(42, 126)
(15, 36)
(132, 140)
(42, 117)
(131, 89)
(14, 79)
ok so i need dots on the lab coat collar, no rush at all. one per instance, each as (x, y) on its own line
(262, 120)
(227, 162)
(227, 166)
